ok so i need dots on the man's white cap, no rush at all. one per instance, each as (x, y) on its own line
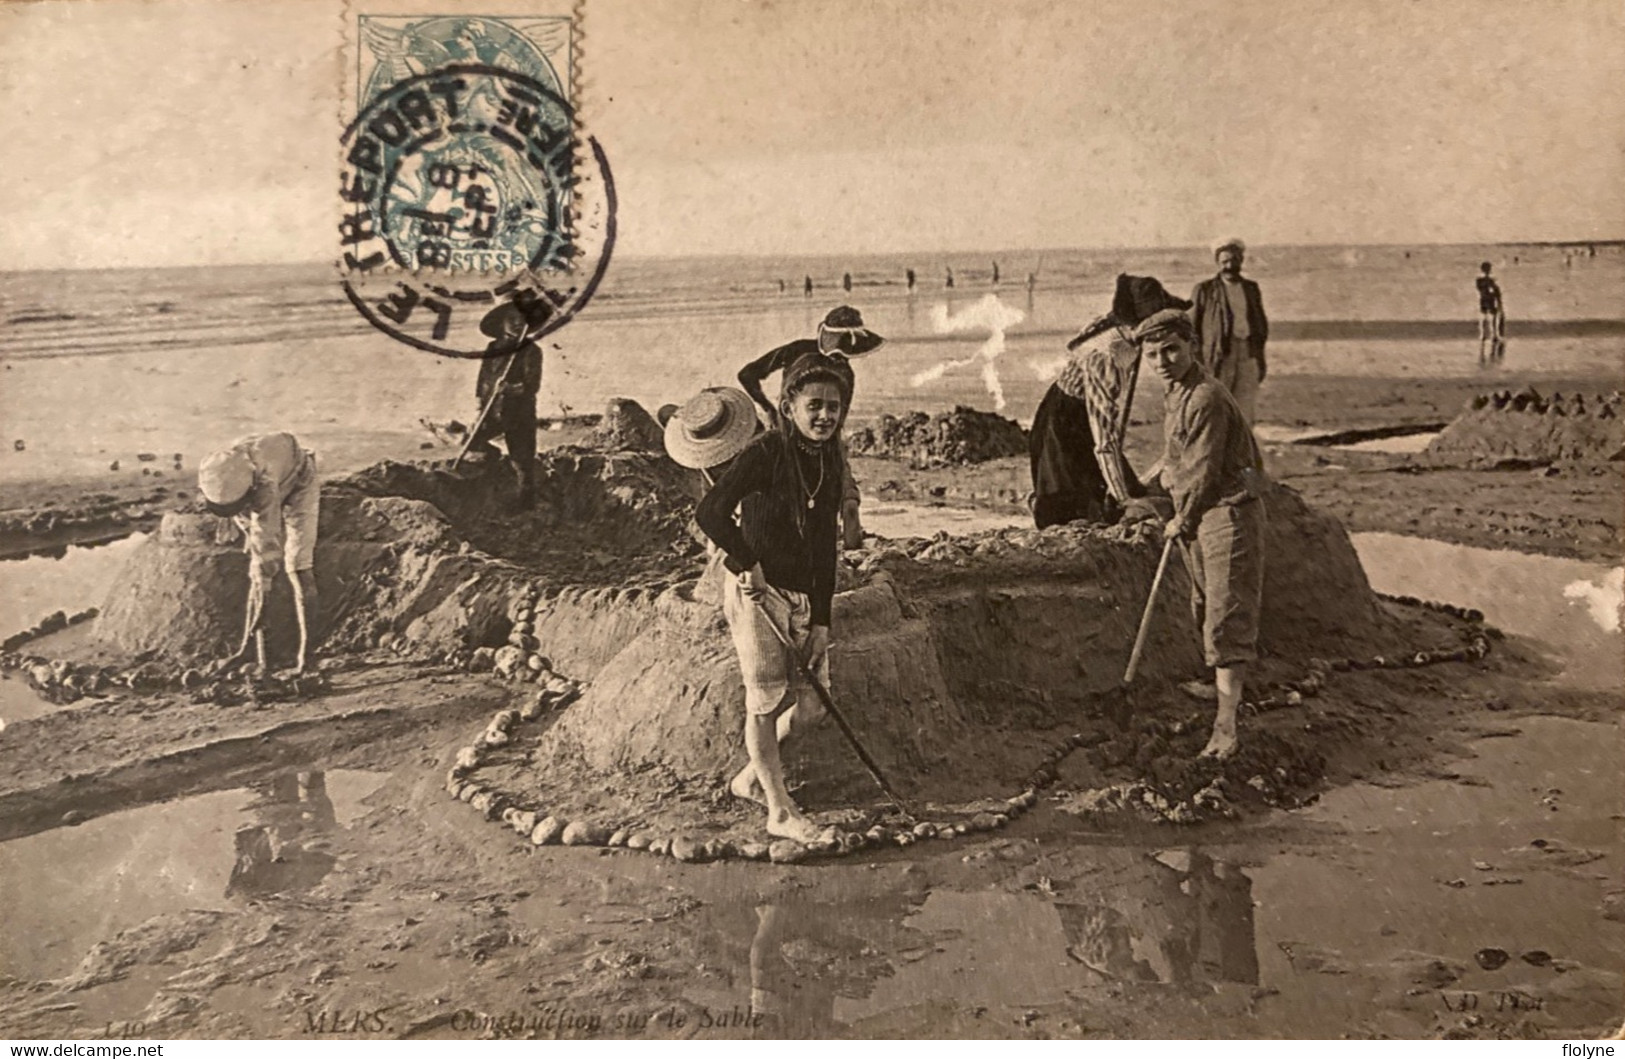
(1228, 241)
(225, 477)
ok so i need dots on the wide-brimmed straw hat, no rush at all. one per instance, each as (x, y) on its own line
(713, 427)
(531, 311)
(846, 323)
(1229, 242)
(225, 477)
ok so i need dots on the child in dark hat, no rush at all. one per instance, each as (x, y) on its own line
(511, 376)
(781, 553)
(842, 337)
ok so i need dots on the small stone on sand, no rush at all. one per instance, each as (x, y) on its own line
(786, 851)
(583, 833)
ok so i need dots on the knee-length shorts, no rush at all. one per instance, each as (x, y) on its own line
(1227, 581)
(769, 670)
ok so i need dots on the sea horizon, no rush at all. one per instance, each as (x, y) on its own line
(1610, 243)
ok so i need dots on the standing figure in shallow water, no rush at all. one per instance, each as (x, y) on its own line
(1492, 318)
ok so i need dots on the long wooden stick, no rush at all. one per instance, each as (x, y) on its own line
(1145, 616)
(485, 413)
(1128, 407)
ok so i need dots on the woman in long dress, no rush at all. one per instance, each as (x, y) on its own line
(1076, 444)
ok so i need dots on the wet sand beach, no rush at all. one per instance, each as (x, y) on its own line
(1427, 851)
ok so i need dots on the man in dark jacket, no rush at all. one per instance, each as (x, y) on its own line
(1231, 328)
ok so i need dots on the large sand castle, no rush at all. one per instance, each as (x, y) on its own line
(953, 655)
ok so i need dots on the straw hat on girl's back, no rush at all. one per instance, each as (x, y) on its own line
(712, 428)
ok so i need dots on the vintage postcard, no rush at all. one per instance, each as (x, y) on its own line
(738, 519)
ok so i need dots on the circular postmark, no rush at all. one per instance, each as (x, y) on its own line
(464, 186)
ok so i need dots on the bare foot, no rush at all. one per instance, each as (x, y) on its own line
(793, 825)
(1221, 744)
(1202, 690)
(747, 787)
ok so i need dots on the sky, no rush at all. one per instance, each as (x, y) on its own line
(160, 132)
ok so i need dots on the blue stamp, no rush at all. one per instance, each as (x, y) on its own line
(463, 166)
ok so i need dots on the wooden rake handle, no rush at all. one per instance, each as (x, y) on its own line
(834, 711)
(1145, 617)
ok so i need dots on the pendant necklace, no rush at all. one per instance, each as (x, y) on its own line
(812, 497)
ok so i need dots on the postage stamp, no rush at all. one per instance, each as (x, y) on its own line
(463, 164)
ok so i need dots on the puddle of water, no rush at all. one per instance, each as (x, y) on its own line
(1116, 916)
(900, 521)
(1528, 595)
(1336, 930)
(1388, 888)
(1013, 947)
(32, 588)
(63, 890)
(1403, 444)
(19, 702)
(1276, 434)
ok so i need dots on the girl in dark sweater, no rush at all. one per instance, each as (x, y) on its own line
(781, 553)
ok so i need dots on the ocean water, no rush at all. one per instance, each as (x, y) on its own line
(97, 366)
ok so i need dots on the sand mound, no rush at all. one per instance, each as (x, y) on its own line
(181, 595)
(948, 438)
(958, 660)
(628, 427)
(1533, 427)
(411, 549)
(941, 641)
(968, 666)
(597, 518)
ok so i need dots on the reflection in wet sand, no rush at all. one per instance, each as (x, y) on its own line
(806, 956)
(281, 852)
(1189, 918)
(1179, 917)
(66, 888)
